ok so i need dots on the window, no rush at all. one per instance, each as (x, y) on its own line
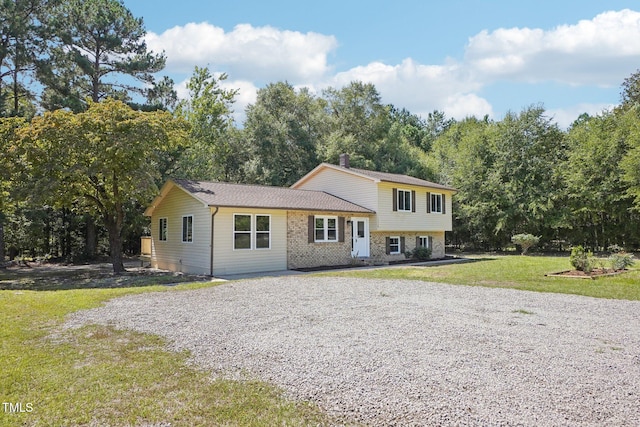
(404, 201)
(423, 242)
(394, 245)
(326, 229)
(263, 232)
(436, 203)
(187, 229)
(162, 230)
(251, 231)
(241, 231)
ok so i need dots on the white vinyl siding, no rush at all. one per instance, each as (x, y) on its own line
(226, 260)
(389, 220)
(172, 254)
(356, 189)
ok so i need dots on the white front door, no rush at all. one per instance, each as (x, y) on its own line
(359, 237)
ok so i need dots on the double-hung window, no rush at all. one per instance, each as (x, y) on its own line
(436, 203)
(404, 200)
(251, 231)
(241, 231)
(187, 228)
(163, 229)
(423, 242)
(263, 232)
(326, 229)
(394, 245)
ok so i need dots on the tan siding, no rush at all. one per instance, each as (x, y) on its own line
(420, 220)
(226, 260)
(173, 254)
(356, 189)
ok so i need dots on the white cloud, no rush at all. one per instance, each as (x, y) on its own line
(564, 117)
(255, 53)
(599, 51)
(422, 88)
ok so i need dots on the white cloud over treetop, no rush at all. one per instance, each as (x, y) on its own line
(601, 51)
(590, 52)
(247, 52)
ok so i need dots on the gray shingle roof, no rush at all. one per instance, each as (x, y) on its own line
(259, 196)
(399, 179)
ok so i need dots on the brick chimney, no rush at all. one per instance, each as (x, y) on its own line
(344, 160)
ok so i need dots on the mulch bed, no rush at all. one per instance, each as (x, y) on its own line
(594, 274)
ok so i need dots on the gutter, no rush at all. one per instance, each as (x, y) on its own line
(212, 223)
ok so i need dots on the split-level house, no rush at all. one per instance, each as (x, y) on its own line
(332, 216)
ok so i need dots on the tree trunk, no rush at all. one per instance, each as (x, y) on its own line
(115, 247)
(1, 240)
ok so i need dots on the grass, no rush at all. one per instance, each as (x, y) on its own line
(515, 272)
(97, 375)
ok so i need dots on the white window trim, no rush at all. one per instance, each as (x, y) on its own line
(391, 244)
(426, 238)
(325, 228)
(166, 227)
(249, 232)
(411, 201)
(253, 232)
(182, 228)
(431, 203)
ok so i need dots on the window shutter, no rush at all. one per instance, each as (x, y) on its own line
(444, 204)
(387, 245)
(428, 202)
(417, 241)
(413, 200)
(341, 229)
(402, 244)
(431, 242)
(312, 228)
(395, 199)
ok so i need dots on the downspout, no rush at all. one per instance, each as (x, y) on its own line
(211, 259)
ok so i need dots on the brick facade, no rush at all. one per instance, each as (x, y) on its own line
(302, 254)
(379, 244)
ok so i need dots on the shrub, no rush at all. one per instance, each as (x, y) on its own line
(621, 260)
(582, 260)
(420, 253)
(525, 241)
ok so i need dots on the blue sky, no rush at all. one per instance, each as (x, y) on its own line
(463, 57)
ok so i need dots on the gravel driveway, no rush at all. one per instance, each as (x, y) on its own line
(407, 352)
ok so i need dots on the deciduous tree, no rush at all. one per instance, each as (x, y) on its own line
(100, 160)
(214, 152)
(284, 128)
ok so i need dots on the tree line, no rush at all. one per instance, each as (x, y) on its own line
(88, 133)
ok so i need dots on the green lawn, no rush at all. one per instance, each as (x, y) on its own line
(100, 376)
(516, 272)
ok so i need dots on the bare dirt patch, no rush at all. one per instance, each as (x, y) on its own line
(50, 277)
